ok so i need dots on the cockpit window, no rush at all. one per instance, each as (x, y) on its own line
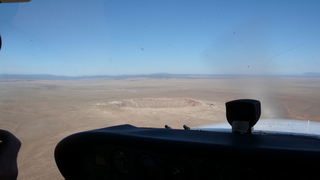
(69, 66)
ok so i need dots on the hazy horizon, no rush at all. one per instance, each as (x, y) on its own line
(163, 73)
(151, 75)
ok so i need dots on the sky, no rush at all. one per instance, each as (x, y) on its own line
(124, 37)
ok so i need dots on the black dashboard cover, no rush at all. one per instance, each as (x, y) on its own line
(282, 153)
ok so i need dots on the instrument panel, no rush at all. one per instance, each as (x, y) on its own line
(128, 152)
(128, 163)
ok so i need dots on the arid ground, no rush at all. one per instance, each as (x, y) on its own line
(42, 112)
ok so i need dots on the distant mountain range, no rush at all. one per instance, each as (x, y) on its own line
(155, 76)
(311, 74)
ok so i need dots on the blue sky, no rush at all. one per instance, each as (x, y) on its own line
(78, 37)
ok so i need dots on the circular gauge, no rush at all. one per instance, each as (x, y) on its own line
(121, 161)
(176, 169)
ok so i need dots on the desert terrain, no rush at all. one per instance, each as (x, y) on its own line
(42, 112)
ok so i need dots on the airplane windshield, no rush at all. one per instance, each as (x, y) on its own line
(70, 66)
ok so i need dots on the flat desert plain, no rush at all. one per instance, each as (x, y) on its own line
(42, 112)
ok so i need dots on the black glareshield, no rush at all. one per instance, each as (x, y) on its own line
(243, 114)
